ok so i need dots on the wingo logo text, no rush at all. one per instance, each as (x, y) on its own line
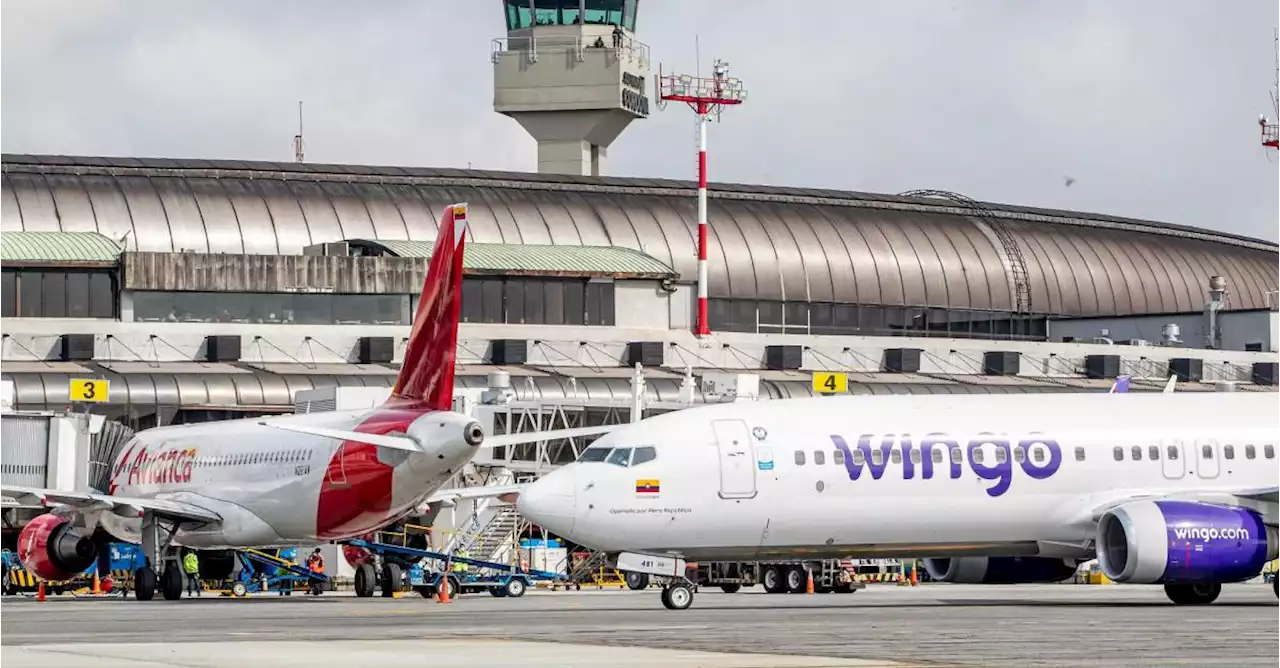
(1039, 456)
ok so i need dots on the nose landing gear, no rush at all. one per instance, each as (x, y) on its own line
(677, 595)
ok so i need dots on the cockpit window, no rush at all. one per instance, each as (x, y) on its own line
(620, 457)
(642, 455)
(594, 454)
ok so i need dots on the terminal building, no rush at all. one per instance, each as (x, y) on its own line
(215, 289)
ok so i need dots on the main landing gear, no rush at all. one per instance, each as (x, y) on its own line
(158, 550)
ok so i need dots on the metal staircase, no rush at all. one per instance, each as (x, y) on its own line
(589, 568)
(496, 540)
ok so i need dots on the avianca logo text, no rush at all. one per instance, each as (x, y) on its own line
(1206, 534)
(1038, 456)
(169, 466)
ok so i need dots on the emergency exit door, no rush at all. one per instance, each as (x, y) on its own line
(737, 466)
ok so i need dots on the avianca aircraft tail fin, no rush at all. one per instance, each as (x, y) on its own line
(426, 378)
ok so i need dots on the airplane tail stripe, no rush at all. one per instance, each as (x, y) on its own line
(426, 377)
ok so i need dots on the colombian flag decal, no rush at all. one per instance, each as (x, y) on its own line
(647, 487)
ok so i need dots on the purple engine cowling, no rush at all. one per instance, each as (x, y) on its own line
(1156, 542)
(999, 570)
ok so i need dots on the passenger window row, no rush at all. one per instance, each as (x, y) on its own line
(1038, 454)
(1206, 452)
(276, 457)
(624, 457)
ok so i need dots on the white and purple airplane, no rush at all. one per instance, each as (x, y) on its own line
(266, 482)
(1171, 489)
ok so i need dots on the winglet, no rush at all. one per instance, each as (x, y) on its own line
(1168, 387)
(426, 377)
(1121, 385)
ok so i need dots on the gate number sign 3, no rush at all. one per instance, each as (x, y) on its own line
(89, 389)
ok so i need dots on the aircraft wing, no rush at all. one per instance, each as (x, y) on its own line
(122, 505)
(457, 494)
(1262, 499)
(409, 445)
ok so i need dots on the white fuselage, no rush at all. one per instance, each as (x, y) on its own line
(275, 487)
(770, 479)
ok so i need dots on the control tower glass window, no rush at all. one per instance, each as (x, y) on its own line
(521, 14)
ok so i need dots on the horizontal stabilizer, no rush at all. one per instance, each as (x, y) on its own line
(381, 440)
(450, 496)
(539, 436)
(32, 496)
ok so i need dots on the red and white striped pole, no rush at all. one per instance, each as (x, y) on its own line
(704, 96)
(703, 328)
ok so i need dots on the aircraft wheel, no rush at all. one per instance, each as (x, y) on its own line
(171, 582)
(637, 581)
(238, 590)
(730, 588)
(1193, 594)
(144, 584)
(391, 580)
(773, 581)
(678, 596)
(796, 580)
(365, 580)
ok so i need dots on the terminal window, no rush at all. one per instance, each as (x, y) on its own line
(838, 319)
(58, 294)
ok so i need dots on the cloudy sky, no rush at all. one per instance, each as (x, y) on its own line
(1150, 106)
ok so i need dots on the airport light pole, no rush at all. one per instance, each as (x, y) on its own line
(706, 96)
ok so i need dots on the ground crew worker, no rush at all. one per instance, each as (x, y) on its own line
(459, 567)
(315, 562)
(191, 565)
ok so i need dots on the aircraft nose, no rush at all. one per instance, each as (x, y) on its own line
(551, 502)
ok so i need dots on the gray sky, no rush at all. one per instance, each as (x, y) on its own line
(1151, 106)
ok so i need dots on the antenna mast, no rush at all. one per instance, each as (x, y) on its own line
(1270, 131)
(297, 139)
(706, 96)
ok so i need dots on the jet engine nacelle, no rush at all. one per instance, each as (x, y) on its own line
(1155, 542)
(53, 549)
(999, 570)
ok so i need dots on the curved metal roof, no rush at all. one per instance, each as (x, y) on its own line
(58, 247)
(769, 243)
(535, 258)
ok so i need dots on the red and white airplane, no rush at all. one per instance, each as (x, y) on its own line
(266, 482)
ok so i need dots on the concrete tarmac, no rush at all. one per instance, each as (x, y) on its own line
(883, 625)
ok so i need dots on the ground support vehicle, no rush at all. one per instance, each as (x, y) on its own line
(829, 575)
(395, 567)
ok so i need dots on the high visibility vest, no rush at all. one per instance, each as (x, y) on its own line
(316, 564)
(190, 564)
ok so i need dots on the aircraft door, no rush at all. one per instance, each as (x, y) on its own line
(1206, 453)
(1172, 458)
(737, 466)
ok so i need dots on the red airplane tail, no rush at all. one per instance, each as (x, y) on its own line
(426, 377)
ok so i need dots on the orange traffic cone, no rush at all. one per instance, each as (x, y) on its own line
(40, 592)
(97, 585)
(442, 591)
(915, 579)
(808, 585)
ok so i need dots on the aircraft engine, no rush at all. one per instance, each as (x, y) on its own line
(999, 570)
(1155, 542)
(53, 549)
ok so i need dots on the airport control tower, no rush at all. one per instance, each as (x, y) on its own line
(572, 73)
